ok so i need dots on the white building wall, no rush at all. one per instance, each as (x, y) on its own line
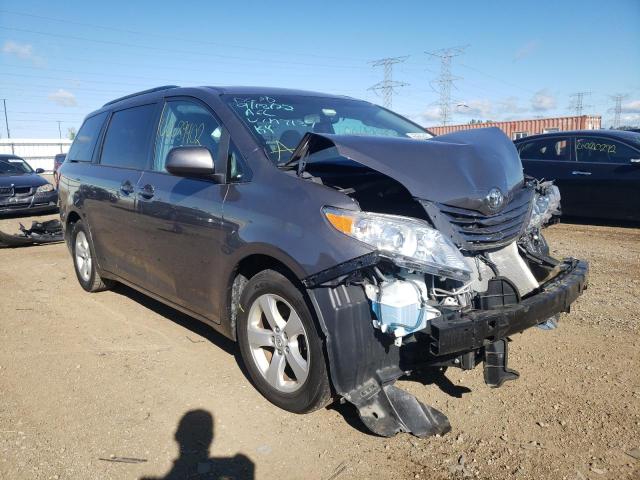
(38, 152)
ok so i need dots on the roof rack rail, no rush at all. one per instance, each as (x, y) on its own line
(151, 90)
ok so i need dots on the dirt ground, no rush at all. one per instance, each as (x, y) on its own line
(117, 386)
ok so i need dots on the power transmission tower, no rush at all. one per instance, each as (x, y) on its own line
(387, 85)
(577, 102)
(617, 109)
(446, 79)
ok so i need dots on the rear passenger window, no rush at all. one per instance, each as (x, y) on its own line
(603, 150)
(551, 149)
(126, 143)
(185, 124)
(86, 139)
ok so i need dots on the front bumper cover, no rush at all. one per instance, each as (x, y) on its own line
(364, 363)
(460, 332)
(36, 203)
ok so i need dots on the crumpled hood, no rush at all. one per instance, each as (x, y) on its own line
(26, 180)
(457, 169)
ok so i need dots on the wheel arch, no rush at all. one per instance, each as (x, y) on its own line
(72, 218)
(248, 266)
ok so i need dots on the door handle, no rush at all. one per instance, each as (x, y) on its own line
(126, 187)
(578, 172)
(147, 192)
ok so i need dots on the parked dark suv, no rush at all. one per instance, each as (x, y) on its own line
(339, 244)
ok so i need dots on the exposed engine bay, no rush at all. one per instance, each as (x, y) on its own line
(459, 258)
(405, 299)
(505, 254)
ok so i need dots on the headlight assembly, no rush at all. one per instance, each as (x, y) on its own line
(546, 203)
(410, 241)
(47, 187)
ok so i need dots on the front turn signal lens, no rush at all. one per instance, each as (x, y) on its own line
(342, 223)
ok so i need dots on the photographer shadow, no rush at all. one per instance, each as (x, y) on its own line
(195, 436)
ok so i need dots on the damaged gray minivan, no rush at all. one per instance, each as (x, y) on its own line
(336, 241)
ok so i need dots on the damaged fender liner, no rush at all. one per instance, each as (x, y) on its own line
(364, 362)
(460, 332)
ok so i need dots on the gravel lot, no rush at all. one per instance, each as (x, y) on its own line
(94, 386)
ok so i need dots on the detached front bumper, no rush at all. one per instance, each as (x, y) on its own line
(461, 332)
(364, 362)
(36, 203)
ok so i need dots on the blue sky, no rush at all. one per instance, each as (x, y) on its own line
(61, 60)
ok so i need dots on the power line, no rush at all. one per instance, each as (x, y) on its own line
(446, 79)
(387, 85)
(577, 104)
(46, 113)
(204, 77)
(39, 120)
(161, 51)
(21, 88)
(69, 80)
(514, 85)
(197, 41)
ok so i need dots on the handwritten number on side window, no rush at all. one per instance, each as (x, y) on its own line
(597, 147)
(183, 133)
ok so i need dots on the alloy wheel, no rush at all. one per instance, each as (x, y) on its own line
(278, 343)
(83, 256)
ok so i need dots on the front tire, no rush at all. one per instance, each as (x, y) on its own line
(280, 344)
(84, 260)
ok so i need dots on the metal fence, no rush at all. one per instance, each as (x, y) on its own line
(39, 153)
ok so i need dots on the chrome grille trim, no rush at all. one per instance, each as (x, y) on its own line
(473, 230)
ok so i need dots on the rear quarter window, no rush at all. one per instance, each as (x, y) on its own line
(127, 141)
(85, 142)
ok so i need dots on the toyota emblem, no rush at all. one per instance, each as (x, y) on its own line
(494, 199)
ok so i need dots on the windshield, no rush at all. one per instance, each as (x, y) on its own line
(279, 122)
(14, 166)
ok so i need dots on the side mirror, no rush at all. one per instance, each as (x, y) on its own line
(190, 162)
(39, 170)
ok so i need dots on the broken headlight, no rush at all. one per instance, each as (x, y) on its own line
(407, 238)
(546, 203)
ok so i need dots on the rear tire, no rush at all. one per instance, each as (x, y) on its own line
(280, 344)
(84, 260)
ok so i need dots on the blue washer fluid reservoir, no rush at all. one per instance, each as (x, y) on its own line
(400, 307)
